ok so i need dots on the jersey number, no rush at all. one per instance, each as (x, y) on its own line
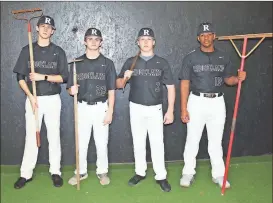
(218, 81)
(100, 90)
(157, 89)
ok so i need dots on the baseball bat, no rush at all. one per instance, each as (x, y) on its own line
(131, 69)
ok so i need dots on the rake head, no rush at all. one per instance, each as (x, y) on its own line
(21, 14)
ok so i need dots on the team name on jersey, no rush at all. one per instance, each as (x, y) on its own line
(208, 68)
(91, 75)
(44, 64)
(147, 72)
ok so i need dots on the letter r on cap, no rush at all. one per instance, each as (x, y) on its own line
(146, 32)
(47, 20)
(205, 27)
(94, 32)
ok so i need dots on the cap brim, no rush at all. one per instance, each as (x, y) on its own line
(206, 32)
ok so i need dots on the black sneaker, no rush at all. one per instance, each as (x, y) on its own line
(21, 182)
(135, 180)
(165, 186)
(57, 180)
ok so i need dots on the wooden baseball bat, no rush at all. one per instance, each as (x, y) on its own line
(131, 69)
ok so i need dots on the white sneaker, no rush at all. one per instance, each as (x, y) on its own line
(186, 180)
(73, 180)
(219, 181)
(104, 179)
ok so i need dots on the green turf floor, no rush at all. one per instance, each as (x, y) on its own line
(250, 178)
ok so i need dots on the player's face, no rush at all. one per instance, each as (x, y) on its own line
(45, 31)
(92, 42)
(146, 43)
(206, 39)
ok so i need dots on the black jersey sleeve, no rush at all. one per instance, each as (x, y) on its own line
(167, 74)
(125, 67)
(185, 71)
(111, 76)
(63, 65)
(22, 66)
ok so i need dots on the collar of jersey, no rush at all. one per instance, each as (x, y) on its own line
(38, 46)
(215, 51)
(85, 57)
(154, 56)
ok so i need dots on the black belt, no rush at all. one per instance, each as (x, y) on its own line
(209, 95)
(92, 103)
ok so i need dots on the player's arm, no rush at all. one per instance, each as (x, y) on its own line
(229, 78)
(63, 69)
(21, 69)
(71, 89)
(120, 83)
(121, 77)
(111, 77)
(234, 80)
(169, 82)
(111, 101)
(50, 78)
(23, 84)
(184, 94)
(184, 76)
(24, 87)
(171, 97)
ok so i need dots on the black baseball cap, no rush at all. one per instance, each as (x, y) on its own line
(205, 28)
(93, 32)
(47, 20)
(146, 32)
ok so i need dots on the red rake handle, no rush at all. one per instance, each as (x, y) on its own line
(234, 118)
(26, 11)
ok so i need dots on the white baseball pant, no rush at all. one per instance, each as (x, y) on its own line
(212, 113)
(93, 116)
(49, 108)
(148, 119)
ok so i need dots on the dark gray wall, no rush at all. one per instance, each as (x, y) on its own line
(175, 26)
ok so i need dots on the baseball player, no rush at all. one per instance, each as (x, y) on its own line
(51, 69)
(203, 73)
(151, 72)
(96, 76)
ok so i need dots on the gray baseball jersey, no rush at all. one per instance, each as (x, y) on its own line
(148, 79)
(49, 60)
(95, 77)
(206, 71)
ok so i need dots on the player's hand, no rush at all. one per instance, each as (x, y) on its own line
(36, 77)
(185, 116)
(241, 75)
(74, 89)
(34, 103)
(128, 74)
(108, 118)
(168, 118)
